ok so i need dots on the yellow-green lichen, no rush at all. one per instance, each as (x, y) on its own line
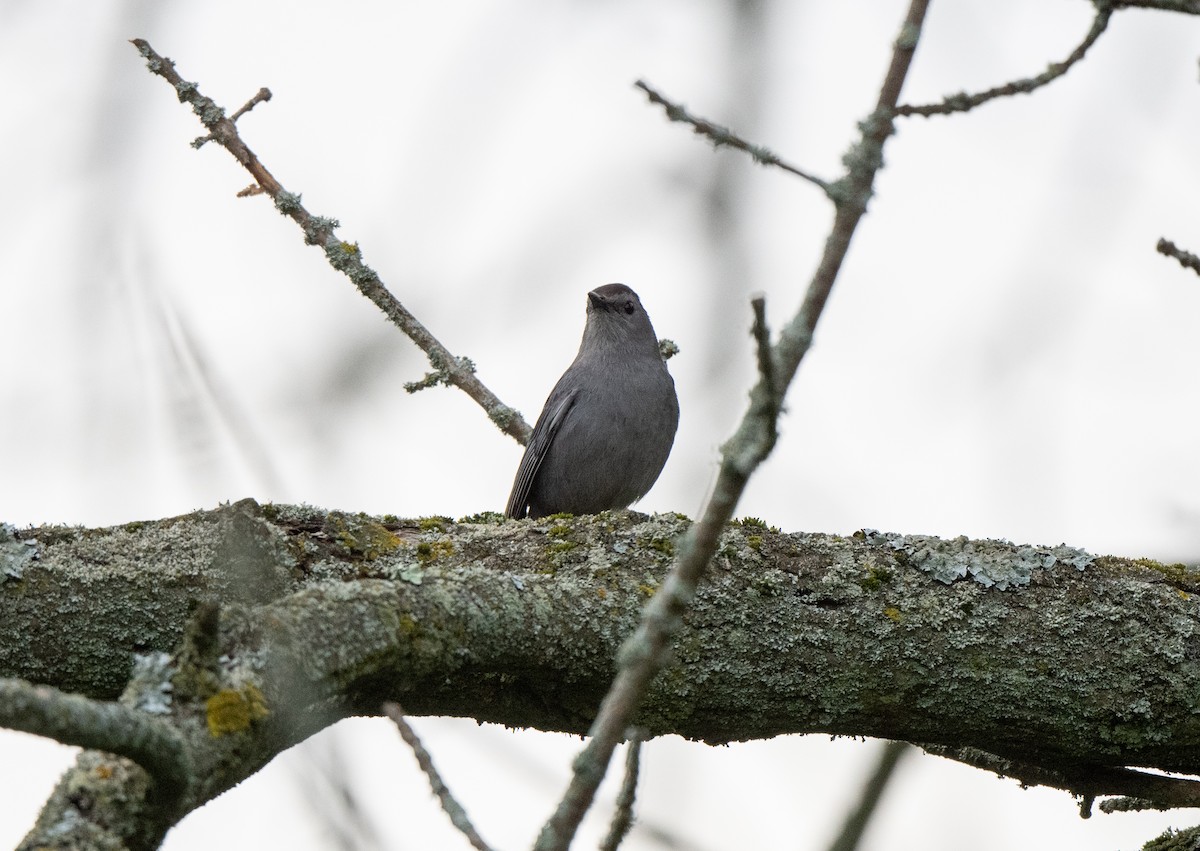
(754, 542)
(755, 523)
(409, 627)
(1177, 572)
(234, 710)
(893, 614)
(877, 576)
(362, 537)
(432, 551)
(434, 523)
(666, 546)
(490, 518)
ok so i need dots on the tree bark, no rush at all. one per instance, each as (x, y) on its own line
(281, 620)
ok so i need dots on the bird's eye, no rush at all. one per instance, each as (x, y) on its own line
(629, 308)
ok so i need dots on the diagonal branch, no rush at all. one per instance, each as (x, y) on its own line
(1187, 7)
(724, 137)
(458, 815)
(962, 102)
(648, 650)
(112, 727)
(343, 256)
(857, 819)
(622, 819)
(1086, 781)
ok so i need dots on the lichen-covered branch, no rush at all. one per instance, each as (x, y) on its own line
(1085, 781)
(102, 725)
(646, 651)
(344, 256)
(723, 136)
(962, 102)
(1051, 659)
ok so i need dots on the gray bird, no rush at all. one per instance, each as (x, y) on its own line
(607, 427)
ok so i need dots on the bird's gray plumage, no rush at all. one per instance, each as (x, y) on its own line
(607, 427)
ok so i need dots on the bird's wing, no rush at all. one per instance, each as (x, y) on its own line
(548, 424)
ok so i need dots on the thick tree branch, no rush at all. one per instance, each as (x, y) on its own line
(344, 256)
(1055, 661)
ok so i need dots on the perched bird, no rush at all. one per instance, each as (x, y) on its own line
(607, 427)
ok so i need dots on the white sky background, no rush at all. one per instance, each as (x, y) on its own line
(1004, 355)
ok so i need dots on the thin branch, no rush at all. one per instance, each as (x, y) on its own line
(343, 256)
(111, 727)
(1085, 781)
(1186, 259)
(963, 102)
(857, 819)
(1131, 805)
(458, 816)
(261, 96)
(648, 649)
(762, 341)
(1187, 7)
(623, 817)
(724, 137)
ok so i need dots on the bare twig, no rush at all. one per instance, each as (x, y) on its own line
(261, 96)
(1186, 259)
(762, 341)
(857, 819)
(458, 816)
(1130, 805)
(343, 256)
(962, 101)
(723, 136)
(623, 817)
(1085, 781)
(1187, 7)
(648, 649)
(112, 727)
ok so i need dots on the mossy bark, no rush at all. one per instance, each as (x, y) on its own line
(1084, 662)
